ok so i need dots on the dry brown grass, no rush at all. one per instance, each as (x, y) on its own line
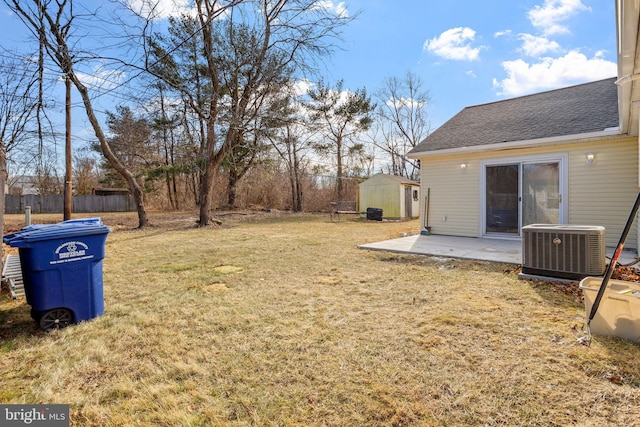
(280, 320)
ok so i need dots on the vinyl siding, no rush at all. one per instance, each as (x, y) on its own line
(599, 194)
(604, 193)
(454, 196)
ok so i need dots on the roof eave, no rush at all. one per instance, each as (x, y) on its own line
(556, 140)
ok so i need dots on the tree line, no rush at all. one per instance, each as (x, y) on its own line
(222, 105)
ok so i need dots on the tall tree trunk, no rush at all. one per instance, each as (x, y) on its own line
(174, 186)
(232, 188)
(339, 168)
(134, 187)
(298, 184)
(205, 197)
(206, 12)
(193, 186)
(3, 182)
(169, 175)
(206, 182)
(167, 179)
(292, 185)
(60, 51)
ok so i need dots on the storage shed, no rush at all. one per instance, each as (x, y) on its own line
(398, 197)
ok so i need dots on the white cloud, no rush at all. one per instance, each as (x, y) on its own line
(549, 17)
(101, 78)
(502, 33)
(339, 9)
(470, 73)
(536, 46)
(552, 73)
(159, 9)
(454, 44)
(302, 87)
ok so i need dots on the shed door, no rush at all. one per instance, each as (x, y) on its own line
(408, 202)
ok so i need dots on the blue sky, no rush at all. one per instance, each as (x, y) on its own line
(466, 52)
(470, 52)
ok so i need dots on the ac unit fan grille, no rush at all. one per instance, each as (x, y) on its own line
(566, 254)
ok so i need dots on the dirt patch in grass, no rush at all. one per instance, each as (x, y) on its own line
(279, 319)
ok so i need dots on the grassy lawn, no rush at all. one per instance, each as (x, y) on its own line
(280, 320)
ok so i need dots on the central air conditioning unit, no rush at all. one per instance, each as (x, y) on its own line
(564, 251)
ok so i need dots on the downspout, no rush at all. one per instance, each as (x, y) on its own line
(620, 82)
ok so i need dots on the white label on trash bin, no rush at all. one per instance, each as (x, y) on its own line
(71, 251)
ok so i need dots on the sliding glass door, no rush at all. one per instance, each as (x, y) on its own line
(502, 194)
(541, 193)
(521, 193)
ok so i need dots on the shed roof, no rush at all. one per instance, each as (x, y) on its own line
(399, 179)
(580, 109)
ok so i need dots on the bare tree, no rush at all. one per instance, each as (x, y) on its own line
(291, 143)
(277, 38)
(402, 121)
(174, 145)
(257, 138)
(86, 172)
(52, 25)
(291, 135)
(18, 107)
(46, 180)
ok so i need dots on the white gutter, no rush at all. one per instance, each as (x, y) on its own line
(627, 17)
(613, 133)
(626, 79)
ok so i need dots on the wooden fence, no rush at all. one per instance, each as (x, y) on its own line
(55, 203)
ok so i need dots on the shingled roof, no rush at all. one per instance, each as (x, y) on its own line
(585, 108)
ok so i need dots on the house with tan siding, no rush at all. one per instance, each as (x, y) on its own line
(566, 156)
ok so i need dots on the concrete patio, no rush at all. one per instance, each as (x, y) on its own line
(497, 250)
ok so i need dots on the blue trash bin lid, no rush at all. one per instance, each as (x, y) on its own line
(65, 229)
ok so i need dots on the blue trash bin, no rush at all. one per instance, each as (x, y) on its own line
(62, 270)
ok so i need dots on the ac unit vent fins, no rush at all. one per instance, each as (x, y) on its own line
(563, 251)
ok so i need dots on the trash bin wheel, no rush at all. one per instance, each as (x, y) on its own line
(57, 318)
